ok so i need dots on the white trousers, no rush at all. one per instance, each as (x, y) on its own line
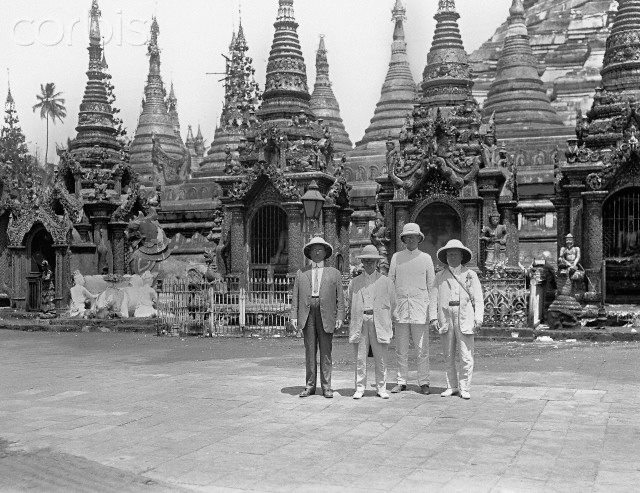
(456, 344)
(420, 335)
(380, 357)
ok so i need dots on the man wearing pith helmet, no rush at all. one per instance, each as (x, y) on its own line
(460, 315)
(413, 275)
(371, 298)
(317, 308)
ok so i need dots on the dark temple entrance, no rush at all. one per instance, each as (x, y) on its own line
(439, 223)
(39, 248)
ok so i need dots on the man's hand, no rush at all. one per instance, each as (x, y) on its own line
(434, 325)
(338, 324)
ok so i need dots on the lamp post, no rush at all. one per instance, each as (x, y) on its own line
(312, 201)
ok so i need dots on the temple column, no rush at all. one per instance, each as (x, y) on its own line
(118, 247)
(331, 230)
(471, 228)
(344, 226)
(401, 208)
(562, 220)
(239, 262)
(295, 215)
(62, 275)
(511, 223)
(575, 213)
(592, 251)
(18, 276)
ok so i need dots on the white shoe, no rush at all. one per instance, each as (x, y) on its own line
(450, 392)
(358, 394)
(465, 394)
(383, 394)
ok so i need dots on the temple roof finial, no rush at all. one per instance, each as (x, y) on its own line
(94, 30)
(446, 6)
(10, 100)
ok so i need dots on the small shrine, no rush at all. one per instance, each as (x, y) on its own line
(284, 154)
(597, 195)
(447, 172)
(79, 222)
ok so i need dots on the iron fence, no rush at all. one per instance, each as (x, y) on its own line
(225, 308)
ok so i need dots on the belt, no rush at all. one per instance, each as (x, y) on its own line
(315, 297)
(454, 303)
(368, 312)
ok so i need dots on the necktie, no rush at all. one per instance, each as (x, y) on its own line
(315, 280)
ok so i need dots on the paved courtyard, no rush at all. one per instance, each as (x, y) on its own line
(125, 412)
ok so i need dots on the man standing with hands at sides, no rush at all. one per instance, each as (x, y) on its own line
(317, 308)
(371, 298)
(460, 315)
(413, 276)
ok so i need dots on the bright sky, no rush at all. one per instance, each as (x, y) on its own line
(45, 41)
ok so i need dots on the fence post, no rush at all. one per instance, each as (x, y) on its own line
(242, 307)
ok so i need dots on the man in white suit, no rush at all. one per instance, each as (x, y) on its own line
(413, 275)
(371, 298)
(460, 305)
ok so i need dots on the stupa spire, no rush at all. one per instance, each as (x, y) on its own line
(620, 71)
(10, 101)
(399, 92)
(446, 80)
(241, 99)
(517, 97)
(156, 124)
(95, 120)
(286, 91)
(172, 106)
(324, 103)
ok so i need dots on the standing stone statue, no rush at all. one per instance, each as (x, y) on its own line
(494, 236)
(48, 292)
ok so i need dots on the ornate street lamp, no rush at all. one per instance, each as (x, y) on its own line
(312, 201)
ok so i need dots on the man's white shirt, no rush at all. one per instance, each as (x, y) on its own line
(316, 277)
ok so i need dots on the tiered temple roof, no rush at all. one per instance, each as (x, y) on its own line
(446, 80)
(241, 100)
(517, 99)
(156, 122)
(286, 93)
(95, 120)
(324, 103)
(614, 115)
(568, 39)
(172, 105)
(399, 90)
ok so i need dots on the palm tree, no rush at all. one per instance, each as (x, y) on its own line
(51, 106)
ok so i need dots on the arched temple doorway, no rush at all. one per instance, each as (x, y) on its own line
(39, 243)
(439, 222)
(621, 245)
(268, 242)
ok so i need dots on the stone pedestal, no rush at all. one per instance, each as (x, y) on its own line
(565, 310)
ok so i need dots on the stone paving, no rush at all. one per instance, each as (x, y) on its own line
(119, 412)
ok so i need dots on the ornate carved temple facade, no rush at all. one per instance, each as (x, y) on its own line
(598, 178)
(79, 222)
(431, 154)
(441, 176)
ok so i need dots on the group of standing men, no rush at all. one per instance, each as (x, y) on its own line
(406, 303)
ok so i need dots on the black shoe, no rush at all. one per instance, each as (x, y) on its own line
(398, 388)
(307, 392)
(424, 389)
(328, 393)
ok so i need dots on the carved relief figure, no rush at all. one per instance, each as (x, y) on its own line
(569, 257)
(380, 235)
(494, 237)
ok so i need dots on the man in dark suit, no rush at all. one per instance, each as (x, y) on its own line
(317, 308)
